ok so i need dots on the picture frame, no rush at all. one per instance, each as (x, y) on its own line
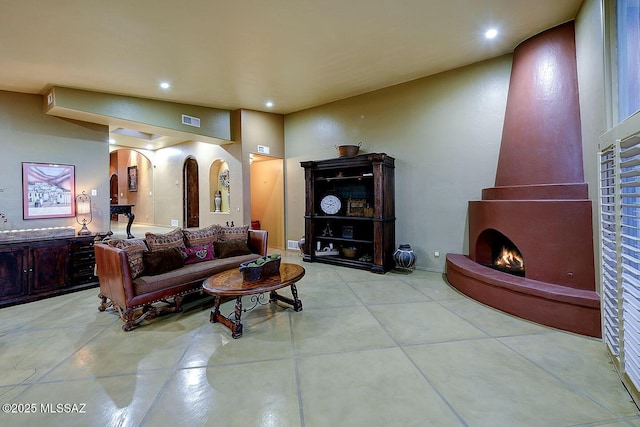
(355, 207)
(48, 190)
(132, 178)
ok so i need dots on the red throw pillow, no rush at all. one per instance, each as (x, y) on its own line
(198, 253)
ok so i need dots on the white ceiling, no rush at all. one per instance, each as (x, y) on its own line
(241, 53)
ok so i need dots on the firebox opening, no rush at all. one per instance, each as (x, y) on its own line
(497, 251)
(507, 258)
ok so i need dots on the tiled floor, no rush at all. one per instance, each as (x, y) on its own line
(367, 350)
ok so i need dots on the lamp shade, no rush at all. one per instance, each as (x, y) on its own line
(83, 207)
(83, 213)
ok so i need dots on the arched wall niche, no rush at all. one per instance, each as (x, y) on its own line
(219, 185)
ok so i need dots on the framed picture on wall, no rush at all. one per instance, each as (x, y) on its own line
(132, 178)
(48, 190)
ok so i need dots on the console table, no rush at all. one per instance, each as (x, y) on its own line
(34, 269)
(126, 211)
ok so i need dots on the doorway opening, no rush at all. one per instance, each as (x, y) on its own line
(267, 197)
(191, 193)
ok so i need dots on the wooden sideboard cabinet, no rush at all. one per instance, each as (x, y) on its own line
(350, 211)
(33, 270)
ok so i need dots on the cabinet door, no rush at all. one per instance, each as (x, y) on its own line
(13, 271)
(49, 266)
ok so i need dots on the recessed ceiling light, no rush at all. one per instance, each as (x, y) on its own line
(491, 33)
(269, 104)
(165, 85)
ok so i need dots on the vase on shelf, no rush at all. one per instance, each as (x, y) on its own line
(218, 201)
(405, 257)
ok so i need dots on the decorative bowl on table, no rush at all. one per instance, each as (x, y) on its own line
(262, 267)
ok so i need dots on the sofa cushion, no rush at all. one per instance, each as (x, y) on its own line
(198, 253)
(189, 273)
(201, 236)
(172, 239)
(162, 261)
(230, 248)
(234, 233)
(133, 248)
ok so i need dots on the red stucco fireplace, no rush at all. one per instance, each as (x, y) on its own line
(540, 201)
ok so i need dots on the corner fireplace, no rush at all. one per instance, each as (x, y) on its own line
(539, 208)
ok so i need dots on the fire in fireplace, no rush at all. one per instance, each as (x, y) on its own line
(509, 260)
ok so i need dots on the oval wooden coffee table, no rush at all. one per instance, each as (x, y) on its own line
(230, 283)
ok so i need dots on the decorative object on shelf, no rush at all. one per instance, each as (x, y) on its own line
(225, 181)
(368, 211)
(301, 246)
(355, 207)
(218, 200)
(350, 252)
(132, 178)
(347, 231)
(262, 267)
(48, 190)
(405, 258)
(84, 215)
(330, 204)
(327, 251)
(327, 232)
(348, 150)
(366, 258)
(36, 234)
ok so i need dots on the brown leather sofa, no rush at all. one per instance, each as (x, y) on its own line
(138, 298)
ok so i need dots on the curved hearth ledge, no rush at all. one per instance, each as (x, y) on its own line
(562, 307)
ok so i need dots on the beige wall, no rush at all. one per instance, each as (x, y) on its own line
(444, 132)
(250, 129)
(590, 60)
(168, 166)
(29, 135)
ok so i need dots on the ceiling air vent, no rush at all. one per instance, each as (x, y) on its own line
(190, 121)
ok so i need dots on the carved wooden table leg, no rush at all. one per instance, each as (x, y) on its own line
(295, 302)
(236, 329)
(215, 313)
(234, 325)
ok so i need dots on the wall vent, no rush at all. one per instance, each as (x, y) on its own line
(190, 121)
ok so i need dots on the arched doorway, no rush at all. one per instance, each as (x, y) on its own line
(113, 193)
(191, 194)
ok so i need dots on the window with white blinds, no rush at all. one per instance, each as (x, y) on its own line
(608, 249)
(630, 253)
(620, 254)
